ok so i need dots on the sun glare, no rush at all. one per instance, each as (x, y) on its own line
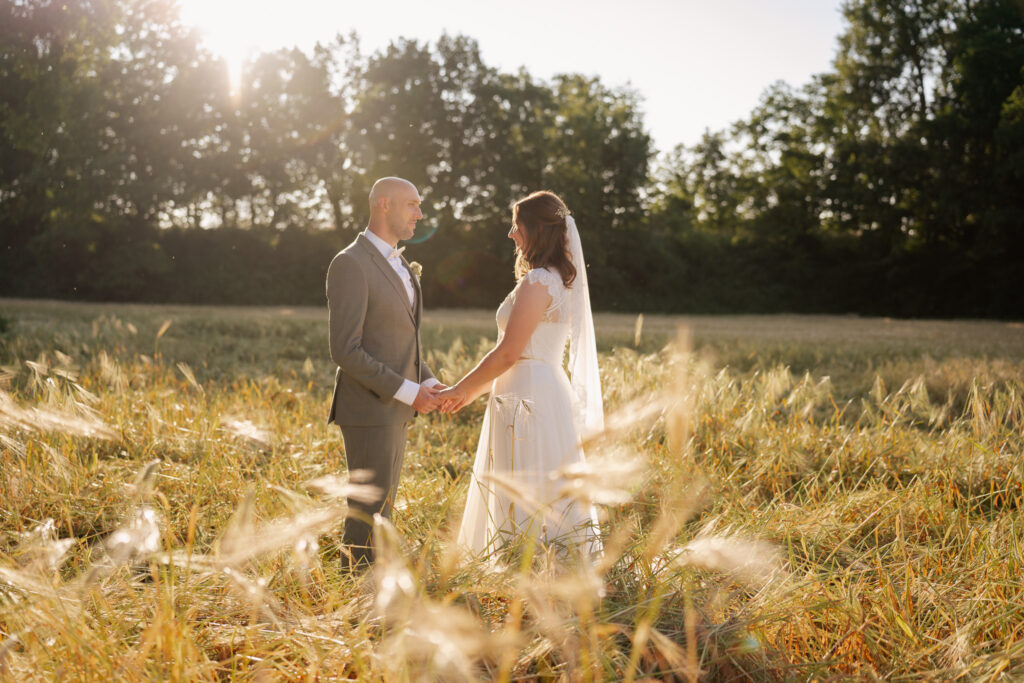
(231, 29)
(234, 63)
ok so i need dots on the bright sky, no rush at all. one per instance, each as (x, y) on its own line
(697, 64)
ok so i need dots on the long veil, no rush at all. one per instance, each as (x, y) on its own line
(588, 408)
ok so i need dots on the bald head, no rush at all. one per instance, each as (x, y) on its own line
(394, 209)
(389, 188)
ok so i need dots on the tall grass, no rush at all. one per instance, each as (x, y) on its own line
(818, 498)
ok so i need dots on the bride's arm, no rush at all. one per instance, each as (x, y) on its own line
(531, 301)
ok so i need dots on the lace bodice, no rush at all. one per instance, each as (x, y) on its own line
(548, 341)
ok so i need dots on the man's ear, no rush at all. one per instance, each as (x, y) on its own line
(383, 203)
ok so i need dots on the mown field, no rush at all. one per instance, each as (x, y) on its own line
(785, 498)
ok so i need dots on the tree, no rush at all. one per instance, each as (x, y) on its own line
(97, 135)
(974, 201)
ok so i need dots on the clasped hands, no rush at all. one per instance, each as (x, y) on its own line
(440, 397)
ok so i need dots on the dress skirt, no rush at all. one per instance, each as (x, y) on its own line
(516, 493)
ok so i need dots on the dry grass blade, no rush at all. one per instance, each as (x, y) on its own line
(9, 444)
(683, 392)
(139, 537)
(254, 591)
(41, 551)
(145, 480)
(396, 585)
(26, 582)
(552, 618)
(752, 560)
(441, 642)
(186, 371)
(425, 640)
(344, 487)
(110, 371)
(249, 431)
(512, 486)
(580, 584)
(677, 508)
(163, 329)
(39, 369)
(6, 648)
(13, 416)
(673, 654)
(246, 541)
(640, 414)
(605, 479)
(241, 527)
(85, 395)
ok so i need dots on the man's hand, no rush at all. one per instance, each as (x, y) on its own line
(426, 400)
(454, 399)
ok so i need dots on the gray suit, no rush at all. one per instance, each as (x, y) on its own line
(375, 341)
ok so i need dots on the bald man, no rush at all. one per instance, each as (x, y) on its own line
(382, 382)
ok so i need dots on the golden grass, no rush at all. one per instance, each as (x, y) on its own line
(818, 498)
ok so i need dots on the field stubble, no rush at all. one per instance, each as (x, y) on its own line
(785, 497)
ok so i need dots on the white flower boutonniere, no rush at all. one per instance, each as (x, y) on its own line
(416, 268)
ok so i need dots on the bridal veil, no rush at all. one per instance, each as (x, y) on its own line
(587, 406)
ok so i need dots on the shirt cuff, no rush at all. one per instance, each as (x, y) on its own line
(432, 382)
(407, 392)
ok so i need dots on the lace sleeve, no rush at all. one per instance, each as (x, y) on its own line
(555, 288)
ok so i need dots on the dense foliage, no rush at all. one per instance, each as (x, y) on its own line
(133, 168)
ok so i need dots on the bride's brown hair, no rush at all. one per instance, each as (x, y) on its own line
(545, 245)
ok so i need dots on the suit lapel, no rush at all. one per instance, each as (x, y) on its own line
(419, 291)
(389, 274)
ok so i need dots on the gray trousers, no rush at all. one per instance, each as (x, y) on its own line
(380, 450)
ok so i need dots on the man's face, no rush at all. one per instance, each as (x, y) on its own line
(403, 212)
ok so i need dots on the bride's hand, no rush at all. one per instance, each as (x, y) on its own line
(453, 399)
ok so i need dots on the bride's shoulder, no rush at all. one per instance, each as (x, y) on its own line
(548, 277)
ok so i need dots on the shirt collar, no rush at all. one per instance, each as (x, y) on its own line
(383, 247)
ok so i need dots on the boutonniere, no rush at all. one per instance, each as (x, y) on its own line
(416, 268)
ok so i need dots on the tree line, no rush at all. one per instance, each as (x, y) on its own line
(134, 168)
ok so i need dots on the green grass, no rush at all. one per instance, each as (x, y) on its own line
(812, 497)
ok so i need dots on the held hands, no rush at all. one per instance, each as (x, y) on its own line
(426, 400)
(453, 399)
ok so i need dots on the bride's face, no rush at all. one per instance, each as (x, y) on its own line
(517, 235)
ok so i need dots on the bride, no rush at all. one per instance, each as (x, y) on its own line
(535, 416)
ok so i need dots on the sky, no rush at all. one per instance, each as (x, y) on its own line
(696, 64)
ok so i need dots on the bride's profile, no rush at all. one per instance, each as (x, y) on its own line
(535, 415)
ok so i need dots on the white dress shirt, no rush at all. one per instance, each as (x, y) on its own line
(395, 261)
(409, 389)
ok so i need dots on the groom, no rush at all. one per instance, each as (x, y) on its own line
(375, 309)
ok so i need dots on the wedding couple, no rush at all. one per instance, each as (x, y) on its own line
(535, 416)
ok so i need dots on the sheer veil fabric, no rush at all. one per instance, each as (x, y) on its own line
(535, 422)
(588, 408)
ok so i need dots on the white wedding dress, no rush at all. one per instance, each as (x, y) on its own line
(528, 435)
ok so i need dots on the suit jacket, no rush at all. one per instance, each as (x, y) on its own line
(375, 337)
